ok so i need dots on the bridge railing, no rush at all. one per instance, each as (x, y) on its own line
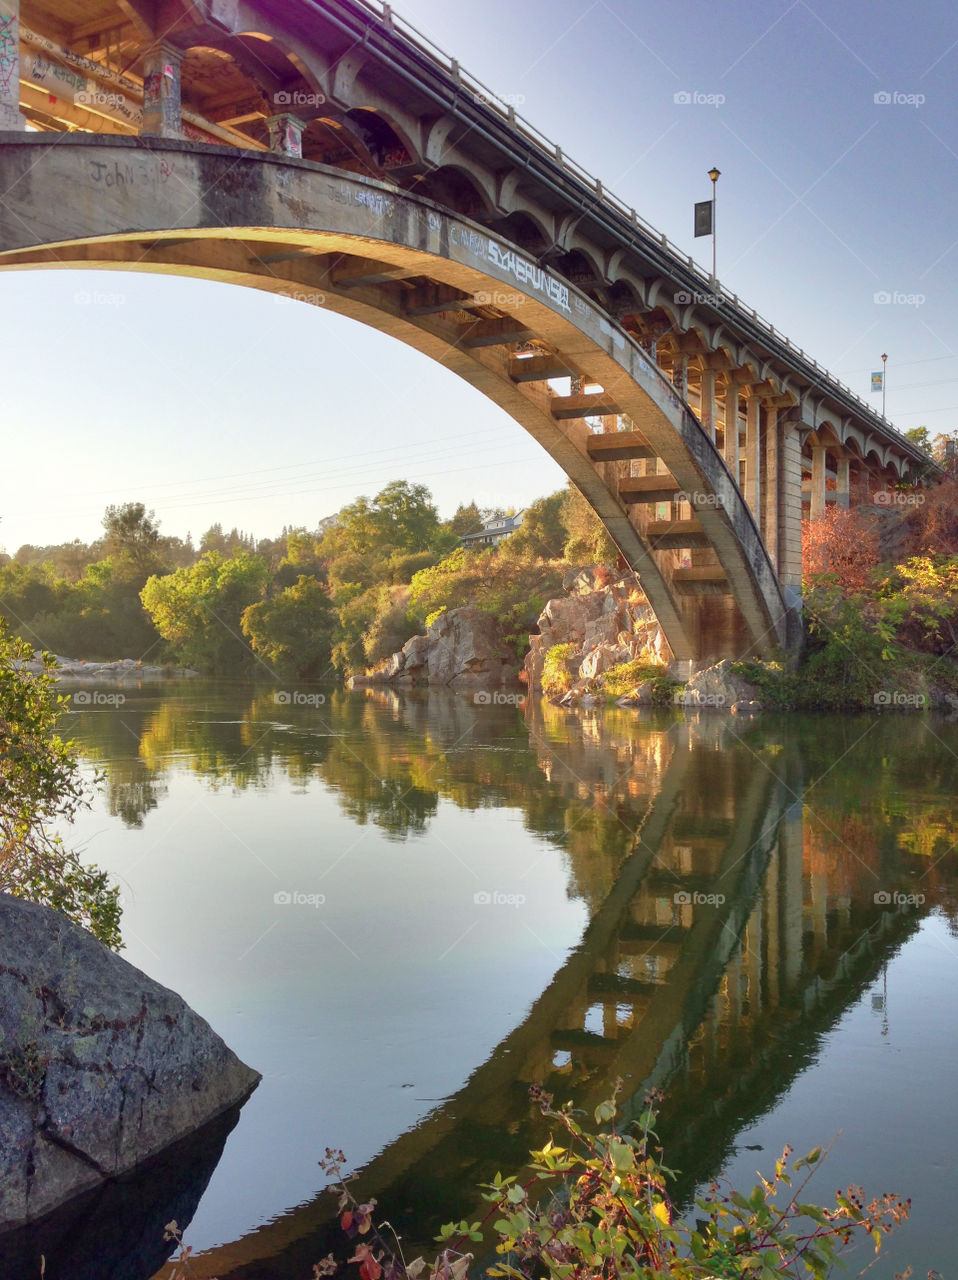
(383, 11)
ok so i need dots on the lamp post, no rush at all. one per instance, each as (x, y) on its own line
(714, 174)
(884, 378)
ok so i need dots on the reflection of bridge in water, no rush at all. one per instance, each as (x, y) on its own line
(712, 963)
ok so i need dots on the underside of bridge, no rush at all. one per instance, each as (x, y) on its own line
(320, 148)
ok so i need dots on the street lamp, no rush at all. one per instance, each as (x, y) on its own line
(884, 377)
(714, 174)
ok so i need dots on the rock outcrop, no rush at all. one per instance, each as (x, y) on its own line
(719, 688)
(75, 671)
(609, 621)
(462, 648)
(101, 1068)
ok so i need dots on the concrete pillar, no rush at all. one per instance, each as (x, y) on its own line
(286, 135)
(162, 116)
(10, 117)
(791, 906)
(817, 505)
(707, 409)
(730, 418)
(753, 456)
(843, 487)
(790, 516)
(772, 494)
(680, 376)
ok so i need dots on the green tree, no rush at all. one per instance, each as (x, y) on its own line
(542, 534)
(468, 519)
(132, 534)
(199, 610)
(40, 783)
(293, 631)
(587, 541)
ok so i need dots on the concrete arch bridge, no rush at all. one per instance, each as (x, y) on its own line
(323, 150)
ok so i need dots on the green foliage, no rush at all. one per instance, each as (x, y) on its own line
(542, 534)
(919, 602)
(597, 1206)
(199, 610)
(587, 541)
(40, 783)
(559, 669)
(779, 690)
(293, 631)
(620, 680)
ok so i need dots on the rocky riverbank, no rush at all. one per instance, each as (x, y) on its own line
(77, 671)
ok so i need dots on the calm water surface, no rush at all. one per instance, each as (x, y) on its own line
(404, 909)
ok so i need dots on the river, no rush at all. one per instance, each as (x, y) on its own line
(404, 909)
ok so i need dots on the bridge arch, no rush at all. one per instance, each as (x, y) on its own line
(441, 284)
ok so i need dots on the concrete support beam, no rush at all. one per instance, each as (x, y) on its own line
(10, 117)
(772, 497)
(843, 482)
(817, 503)
(753, 456)
(708, 403)
(286, 135)
(162, 108)
(680, 376)
(790, 522)
(730, 420)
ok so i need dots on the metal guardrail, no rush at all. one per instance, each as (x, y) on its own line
(384, 13)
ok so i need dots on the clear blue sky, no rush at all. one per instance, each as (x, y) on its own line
(179, 394)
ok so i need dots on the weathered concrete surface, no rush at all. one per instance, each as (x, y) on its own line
(100, 1066)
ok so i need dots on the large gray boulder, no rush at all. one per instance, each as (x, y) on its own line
(101, 1068)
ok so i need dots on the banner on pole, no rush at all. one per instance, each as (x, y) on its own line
(877, 381)
(703, 218)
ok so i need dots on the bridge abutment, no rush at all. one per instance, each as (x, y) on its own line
(162, 105)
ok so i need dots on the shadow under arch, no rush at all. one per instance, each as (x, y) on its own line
(435, 281)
